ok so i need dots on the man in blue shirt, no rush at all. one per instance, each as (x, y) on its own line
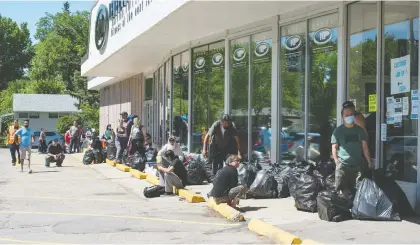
(265, 133)
(26, 140)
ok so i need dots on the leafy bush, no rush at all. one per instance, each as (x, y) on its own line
(65, 122)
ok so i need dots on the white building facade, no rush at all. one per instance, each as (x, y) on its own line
(287, 66)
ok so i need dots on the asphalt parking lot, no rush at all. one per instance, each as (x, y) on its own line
(79, 204)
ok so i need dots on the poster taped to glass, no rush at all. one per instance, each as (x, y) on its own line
(400, 75)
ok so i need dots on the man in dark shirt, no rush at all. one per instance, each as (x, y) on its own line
(172, 173)
(225, 185)
(55, 154)
(224, 140)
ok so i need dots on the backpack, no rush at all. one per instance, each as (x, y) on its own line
(153, 191)
(139, 134)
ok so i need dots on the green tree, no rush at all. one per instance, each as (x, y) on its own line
(15, 49)
(63, 40)
(65, 122)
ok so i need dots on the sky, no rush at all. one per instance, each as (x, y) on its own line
(32, 11)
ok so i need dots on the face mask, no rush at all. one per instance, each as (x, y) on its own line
(349, 120)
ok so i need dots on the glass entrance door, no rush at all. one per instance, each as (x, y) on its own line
(400, 93)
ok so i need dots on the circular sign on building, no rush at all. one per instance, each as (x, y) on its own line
(322, 36)
(262, 49)
(293, 43)
(239, 54)
(200, 63)
(101, 28)
(217, 59)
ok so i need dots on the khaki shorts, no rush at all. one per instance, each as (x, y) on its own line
(25, 152)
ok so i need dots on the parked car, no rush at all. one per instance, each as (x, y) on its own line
(299, 141)
(49, 136)
(401, 158)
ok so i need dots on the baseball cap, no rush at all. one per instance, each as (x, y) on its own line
(348, 104)
(124, 113)
(227, 118)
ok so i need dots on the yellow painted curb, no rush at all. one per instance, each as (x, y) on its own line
(309, 241)
(138, 174)
(123, 167)
(152, 179)
(225, 210)
(110, 162)
(274, 233)
(189, 195)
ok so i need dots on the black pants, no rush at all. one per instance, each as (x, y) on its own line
(42, 146)
(217, 161)
(74, 145)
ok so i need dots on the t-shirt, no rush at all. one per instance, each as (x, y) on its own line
(227, 178)
(225, 138)
(349, 142)
(25, 136)
(266, 134)
(55, 150)
(74, 131)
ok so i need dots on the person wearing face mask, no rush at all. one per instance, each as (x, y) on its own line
(224, 140)
(350, 151)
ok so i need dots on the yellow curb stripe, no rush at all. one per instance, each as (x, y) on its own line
(152, 179)
(189, 195)
(25, 241)
(138, 174)
(274, 233)
(123, 217)
(111, 162)
(225, 210)
(122, 167)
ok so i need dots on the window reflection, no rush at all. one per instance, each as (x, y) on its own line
(261, 93)
(148, 104)
(323, 36)
(239, 88)
(180, 100)
(401, 44)
(208, 87)
(293, 88)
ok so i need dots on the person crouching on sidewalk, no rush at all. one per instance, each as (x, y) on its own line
(172, 172)
(55, 153)
(225, 185)
(349, 141)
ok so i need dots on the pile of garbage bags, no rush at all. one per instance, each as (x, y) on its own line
(264, 186)
(196, 171)
(138, 161)
(96, 155)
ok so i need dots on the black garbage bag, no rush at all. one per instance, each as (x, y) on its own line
(153, 191)
(325, 168)
(281, 175)
(246, 174)
(138, 161)
(326, 183)
(264, 186)
(209, 170)
(296, 172)
(111, 150)
(306, 192)
(333, 207)
(195, 173)
(98, 156)
(88, 157)
(371, 203)
(151, 154)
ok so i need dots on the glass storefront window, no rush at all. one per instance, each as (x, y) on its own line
(261, 93)
(362, 51)
(208, 90)
(401, 36)
(293, 39)
(148, 104)
(180, 98)
(168, 98)
(239, 73)
(322, 114)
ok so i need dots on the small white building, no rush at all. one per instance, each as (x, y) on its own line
(43, 110)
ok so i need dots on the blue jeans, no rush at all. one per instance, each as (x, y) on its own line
(13, 149)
